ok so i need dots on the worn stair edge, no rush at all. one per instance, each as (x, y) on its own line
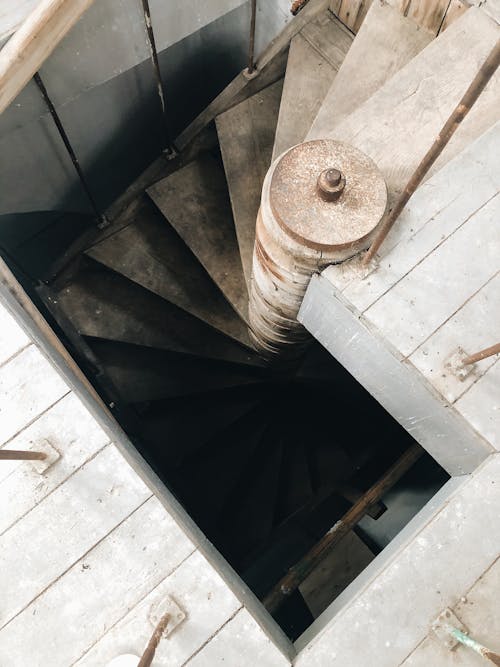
(195, 201)
(246, 134)
(315, 56)
(101, 303)
(385, 43)
(150, 253)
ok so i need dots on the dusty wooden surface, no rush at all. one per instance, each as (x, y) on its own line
(150, 253)
(428, 297)
(316, 54)
(397, 124)
(246, 135)
(195, 201)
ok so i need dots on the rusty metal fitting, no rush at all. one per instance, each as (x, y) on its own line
(331, 184)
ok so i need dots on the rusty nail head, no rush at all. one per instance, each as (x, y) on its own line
(331, 184)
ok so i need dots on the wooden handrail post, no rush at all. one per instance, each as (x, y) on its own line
(477, 86)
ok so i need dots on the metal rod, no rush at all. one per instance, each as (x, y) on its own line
(103, 222)
(251, 44)
(482, 354)
(149, 653)
(484, 74)
(19, 455)
(474, 645)
(296, 574)
(157, 72)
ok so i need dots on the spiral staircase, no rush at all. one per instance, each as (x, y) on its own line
(264, 458)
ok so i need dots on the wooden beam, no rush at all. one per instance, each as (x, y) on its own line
(31, 45)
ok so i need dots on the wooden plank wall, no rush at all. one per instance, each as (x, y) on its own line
(432, 15)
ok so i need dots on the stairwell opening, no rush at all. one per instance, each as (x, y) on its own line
(265, 463)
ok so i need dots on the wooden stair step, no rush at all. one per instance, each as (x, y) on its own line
(315, 56)
(104, 304)
(145, 374)
(176, 429)
(246, 135)
(195, 201)
(150, 253)
(386, 42)
(397, 125)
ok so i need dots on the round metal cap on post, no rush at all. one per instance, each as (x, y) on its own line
(331, 184)
(321, 204)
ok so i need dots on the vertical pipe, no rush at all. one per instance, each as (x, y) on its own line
(156, 69)
(251, 45)
(103, 222)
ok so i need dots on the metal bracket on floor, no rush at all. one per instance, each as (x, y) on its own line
(160, 609)
(451, 632)
(51, 456)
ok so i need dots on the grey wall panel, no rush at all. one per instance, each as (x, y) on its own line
(101, 81)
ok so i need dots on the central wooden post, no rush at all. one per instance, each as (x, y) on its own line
(321, 204)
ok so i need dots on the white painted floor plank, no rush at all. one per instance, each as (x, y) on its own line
(202, 596)
(28, 386)
(73, 432)
(436, 210)
(69, 522)
(240, 643)
(97, 591)
(12, 337)
(480, 405)
(471, 329)
(437, 287)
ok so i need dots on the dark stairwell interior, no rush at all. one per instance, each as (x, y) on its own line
(265, 463)
(153, 309)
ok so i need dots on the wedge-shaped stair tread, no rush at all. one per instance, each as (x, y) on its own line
(315, 56)
(386, 42)
(399, 123)
(145, 374)
(195, 202)
(104, 304)
(150, 253)
(246, 135)
(176, 429)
